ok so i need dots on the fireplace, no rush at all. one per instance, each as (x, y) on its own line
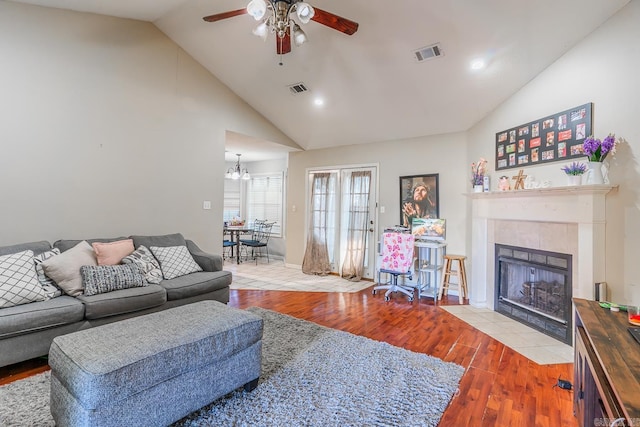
(568, 220)
(534, 287)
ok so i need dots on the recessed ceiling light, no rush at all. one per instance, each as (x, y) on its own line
(478, 64)
(318, 102)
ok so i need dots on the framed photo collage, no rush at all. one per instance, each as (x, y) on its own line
(553, 138)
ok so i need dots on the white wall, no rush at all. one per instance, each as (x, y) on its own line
(442, 154)
(603, 69)
(107, 128)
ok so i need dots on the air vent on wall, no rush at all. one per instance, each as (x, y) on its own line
(297, 88)
(428, 52)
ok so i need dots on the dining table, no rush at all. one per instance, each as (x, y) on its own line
(234, 232)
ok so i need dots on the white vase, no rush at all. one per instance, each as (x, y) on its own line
(594, 173)
(477, 189)
(574, 180)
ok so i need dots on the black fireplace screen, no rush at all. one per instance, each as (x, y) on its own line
(534, 287)
(539, 290)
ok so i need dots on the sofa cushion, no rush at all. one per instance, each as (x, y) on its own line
(46, 282)
(101, 279)
(64, 269)
(18, 280)
(65, 245)
(176, 239)
(111, 253)
(196, 284)
(175, 261)
(37, 316)
(146, 262)
(36, 247)
(123, 301)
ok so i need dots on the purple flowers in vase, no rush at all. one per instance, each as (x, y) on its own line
(575, 169)
(596, 150)
(478, 171)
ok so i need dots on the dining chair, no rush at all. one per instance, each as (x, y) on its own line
(259, 241)
(227, 246)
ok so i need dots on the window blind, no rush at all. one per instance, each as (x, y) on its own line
(265, 200)
(231, 207)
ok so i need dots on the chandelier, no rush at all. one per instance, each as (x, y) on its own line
(236, 172)
(276, 17)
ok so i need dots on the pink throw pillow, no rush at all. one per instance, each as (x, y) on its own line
(112, 253)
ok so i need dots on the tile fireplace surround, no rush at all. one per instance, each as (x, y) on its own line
(568, 220)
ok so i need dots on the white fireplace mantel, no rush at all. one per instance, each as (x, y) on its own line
(558, 219)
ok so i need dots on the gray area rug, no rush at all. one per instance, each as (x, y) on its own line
(311, 376)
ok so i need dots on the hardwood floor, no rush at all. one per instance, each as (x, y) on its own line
(499, 388)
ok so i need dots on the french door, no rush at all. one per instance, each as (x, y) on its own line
(348, 202)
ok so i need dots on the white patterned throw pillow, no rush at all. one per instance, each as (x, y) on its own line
(147, 263)
(46, 282)
(18, 280)
(175, 261)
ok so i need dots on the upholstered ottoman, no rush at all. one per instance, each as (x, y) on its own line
(154, 369)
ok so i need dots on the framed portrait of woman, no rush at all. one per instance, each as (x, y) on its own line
(418, 198)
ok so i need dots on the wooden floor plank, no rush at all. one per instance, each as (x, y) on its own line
(500, 387)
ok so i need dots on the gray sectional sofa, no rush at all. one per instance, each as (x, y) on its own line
(26, 331)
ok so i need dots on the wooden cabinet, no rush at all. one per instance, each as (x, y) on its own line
(606, 368)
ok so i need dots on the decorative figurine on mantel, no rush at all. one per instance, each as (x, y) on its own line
(504, 184)
(519, 184)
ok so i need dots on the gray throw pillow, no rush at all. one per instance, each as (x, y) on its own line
(100, 279)
(175, 261)
(147, 264)
(64, 269)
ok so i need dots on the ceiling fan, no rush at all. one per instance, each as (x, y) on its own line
(277, 17)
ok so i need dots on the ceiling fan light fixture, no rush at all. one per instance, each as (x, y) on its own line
(281, 17)
(262, 30)
(304, 11)
(257, 9)
(299, 36)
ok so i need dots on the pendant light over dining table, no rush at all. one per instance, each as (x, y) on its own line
(236, 172)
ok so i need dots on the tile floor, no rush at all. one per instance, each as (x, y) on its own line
(275, 276)
(532, 344)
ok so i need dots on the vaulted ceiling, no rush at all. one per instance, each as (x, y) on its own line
(373, 87)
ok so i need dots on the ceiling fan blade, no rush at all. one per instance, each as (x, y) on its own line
(283, 45)
(225, 15)
(334, 21)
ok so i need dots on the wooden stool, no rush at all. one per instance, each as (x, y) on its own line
(460, 274)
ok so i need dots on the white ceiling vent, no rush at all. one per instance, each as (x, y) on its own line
(428, 52)
(297, 88)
